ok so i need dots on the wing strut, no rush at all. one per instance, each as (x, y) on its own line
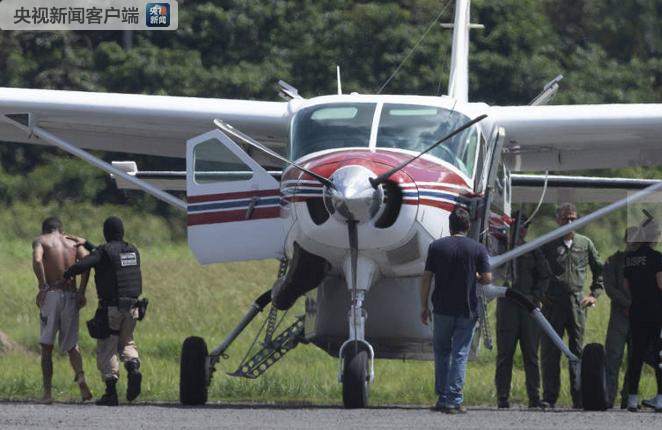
(25, 122)
(498, 260)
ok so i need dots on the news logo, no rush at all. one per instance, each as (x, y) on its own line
(157, 14)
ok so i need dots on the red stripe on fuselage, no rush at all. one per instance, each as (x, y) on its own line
(420, 170)
(438, 204)
(231, 196)
(232, 216)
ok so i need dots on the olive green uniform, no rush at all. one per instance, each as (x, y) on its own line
(562, 308)
(618, 332)
(514, 323)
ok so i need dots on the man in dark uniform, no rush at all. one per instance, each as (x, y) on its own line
(119, 284)
(530, 277)
(618, 331)
(564, 304)
(643, 278)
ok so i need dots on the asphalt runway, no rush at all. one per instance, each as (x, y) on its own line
(77, 416)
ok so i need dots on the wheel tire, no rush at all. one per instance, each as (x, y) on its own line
(193, 373)
(355, 378)
(594, 378)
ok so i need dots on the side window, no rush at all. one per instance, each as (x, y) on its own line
(213, 162)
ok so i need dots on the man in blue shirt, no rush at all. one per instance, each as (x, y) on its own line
(456, 262)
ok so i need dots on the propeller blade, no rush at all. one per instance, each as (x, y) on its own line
(354, 256)
(393, 204)
(353, 249)
(384, 176)
(227, 128)
(499, 260)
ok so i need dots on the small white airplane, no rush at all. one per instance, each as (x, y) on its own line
(368, 184)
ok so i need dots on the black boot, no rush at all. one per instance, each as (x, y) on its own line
(109, 398)
(134, 379)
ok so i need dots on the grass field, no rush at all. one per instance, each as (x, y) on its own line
(188, 299)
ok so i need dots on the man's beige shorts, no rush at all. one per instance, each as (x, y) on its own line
(59, 314)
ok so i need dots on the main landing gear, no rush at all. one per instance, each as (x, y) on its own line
(592, 364)
(197, 365)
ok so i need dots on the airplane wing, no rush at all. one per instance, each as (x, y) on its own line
(580, 137)
(140, 124)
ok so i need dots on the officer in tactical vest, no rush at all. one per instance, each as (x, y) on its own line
(565, 305)
(530, 277)
(618, 331)
(119, 284)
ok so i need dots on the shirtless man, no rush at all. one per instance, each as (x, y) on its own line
(58, 301)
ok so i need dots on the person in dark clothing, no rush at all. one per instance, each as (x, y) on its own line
(643, 279)
(455, 262)
(530, 277)
(119, 284)
(618, 330)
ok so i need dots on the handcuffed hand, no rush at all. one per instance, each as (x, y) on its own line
(41, 295)
(81, 301)
(425, 316)
(79, 241)
(588, 301)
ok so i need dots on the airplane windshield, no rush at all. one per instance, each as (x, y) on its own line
(416, 127)
(331, 126)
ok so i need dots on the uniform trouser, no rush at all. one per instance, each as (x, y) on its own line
(513, 324)
(645, 346)
(618, 335)
(121, 323)
(565, 315)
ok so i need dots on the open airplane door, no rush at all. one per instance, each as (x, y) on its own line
(233, 203)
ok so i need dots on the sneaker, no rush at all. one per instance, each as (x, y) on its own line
(460, 409)
(633, 404)
(438, 407)
(450, 410)
(503, 404)
(651, 403)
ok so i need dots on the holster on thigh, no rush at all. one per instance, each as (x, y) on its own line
(98, 327)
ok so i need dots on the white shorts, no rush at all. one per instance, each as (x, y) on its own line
(59, 314)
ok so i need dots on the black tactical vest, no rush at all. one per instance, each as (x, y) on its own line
(118, 275)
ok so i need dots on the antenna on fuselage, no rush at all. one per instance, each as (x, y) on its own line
(287, 91)
(339, 83)
(548, 92)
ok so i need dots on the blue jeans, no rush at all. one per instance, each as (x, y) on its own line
(451, 343)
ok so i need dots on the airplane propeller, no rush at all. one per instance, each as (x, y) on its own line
(352, 193)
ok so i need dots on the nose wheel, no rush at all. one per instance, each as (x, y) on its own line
(355, 375)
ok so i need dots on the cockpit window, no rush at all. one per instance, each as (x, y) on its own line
(415, 128)
(339, 125)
